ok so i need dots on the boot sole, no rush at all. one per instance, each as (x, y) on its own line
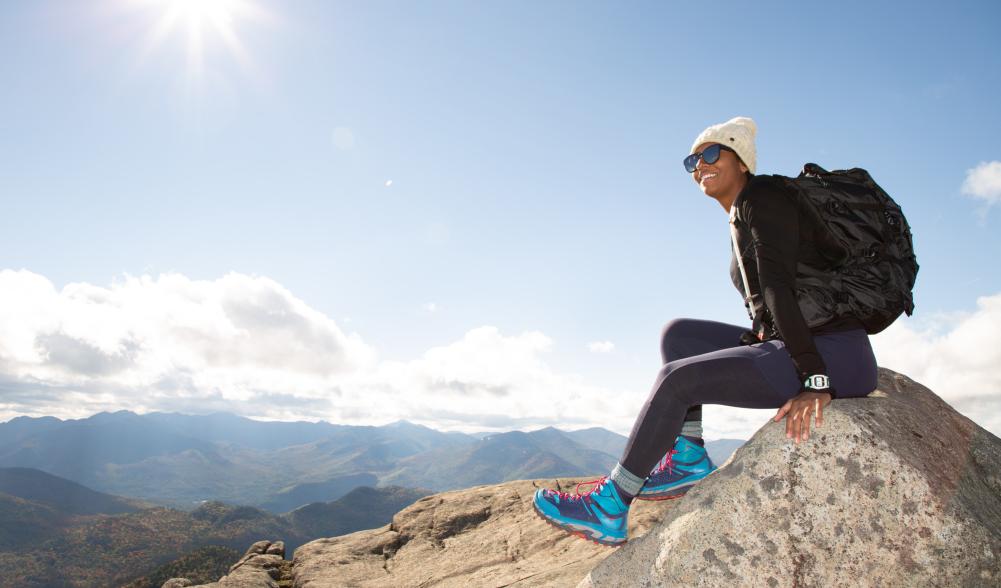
(578, 530)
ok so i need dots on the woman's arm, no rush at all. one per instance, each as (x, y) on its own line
(773, 219)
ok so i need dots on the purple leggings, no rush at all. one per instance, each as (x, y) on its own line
(704, 363)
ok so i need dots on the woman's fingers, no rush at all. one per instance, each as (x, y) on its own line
(798, 412)
(782, 411)
(804, 424)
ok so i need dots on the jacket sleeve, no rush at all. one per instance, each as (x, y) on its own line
(773, 219)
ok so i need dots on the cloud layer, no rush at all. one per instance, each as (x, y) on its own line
(956, 355)
(245, 344)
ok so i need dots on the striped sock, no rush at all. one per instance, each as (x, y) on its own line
(692, 429)
(629, 484)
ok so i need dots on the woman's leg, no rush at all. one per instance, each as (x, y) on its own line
(753, 376)
(683, 338)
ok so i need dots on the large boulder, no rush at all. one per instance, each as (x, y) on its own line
(483, 536)
(897, 489)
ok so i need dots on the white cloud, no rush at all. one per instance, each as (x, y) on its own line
(389, 183)
(956, 355)
(430, 307)
(489, 380)
(601, 347)
(984, 182)
(245, 344)
(145, 342)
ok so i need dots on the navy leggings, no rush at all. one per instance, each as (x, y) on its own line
(704, 363)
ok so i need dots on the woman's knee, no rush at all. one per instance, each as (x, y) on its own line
(673, 330)
(669, 389)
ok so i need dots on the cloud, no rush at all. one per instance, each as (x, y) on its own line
(245, 344)
(430, 308)
(956, 355)
(984, 182)
(601, 347)
(146, 343)
(485, 376)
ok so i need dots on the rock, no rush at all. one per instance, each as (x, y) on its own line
(260, 567)
(483, 536)
(177, 583)
(897, 489)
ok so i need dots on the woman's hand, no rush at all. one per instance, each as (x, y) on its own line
(798, 410)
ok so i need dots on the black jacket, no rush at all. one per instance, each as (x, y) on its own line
(781, 243)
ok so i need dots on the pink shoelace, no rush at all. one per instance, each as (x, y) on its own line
(665, 462)
(577, 495)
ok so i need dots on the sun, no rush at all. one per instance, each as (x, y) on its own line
(201, 22)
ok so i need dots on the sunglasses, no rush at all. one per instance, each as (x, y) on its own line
(709, 155)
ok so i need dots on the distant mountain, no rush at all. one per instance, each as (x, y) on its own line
(499, 458)
(181, 460)
(353, 512)
(230, 429)
(16, 429)
(80, 449)
(600, 440)
(64, 496)
(42, 545)
(720, 450)
(303, 494)
(35, 506)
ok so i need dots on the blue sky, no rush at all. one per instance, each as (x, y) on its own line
(413, 172)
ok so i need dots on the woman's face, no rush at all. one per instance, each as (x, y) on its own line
(726, 176)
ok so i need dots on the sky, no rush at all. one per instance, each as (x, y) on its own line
(469, 215)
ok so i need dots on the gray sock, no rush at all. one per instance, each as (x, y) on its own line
(692, 429)
(626, 480)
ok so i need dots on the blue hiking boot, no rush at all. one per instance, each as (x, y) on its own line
(680, 469)
(599, 514)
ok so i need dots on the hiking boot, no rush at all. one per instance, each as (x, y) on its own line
(598, 514)
(680, 469)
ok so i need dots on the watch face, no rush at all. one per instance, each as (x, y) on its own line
(817, 382)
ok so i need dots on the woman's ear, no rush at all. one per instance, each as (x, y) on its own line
(743, 168)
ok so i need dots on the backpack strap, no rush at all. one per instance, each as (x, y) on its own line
(748, 299)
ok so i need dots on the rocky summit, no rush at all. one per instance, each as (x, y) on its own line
(485, 536)
(897, 489)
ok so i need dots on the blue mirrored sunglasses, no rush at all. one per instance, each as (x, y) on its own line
(709, 155)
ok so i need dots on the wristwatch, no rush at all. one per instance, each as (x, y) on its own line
(819, 383)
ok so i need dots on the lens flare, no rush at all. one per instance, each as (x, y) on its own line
(201, 22)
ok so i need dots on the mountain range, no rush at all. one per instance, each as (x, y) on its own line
(184, 460)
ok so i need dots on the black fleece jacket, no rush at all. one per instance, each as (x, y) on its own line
(774, 234)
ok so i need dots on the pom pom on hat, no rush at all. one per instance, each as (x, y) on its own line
(738, 134)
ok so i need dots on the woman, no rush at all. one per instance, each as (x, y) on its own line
(780, 363)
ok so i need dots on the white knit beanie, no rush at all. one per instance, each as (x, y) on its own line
(737, 134)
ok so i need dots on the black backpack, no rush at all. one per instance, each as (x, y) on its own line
(875, 277)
